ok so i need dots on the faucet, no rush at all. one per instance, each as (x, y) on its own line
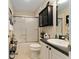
(56, 36)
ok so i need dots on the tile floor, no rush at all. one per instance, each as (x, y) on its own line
(23, 51)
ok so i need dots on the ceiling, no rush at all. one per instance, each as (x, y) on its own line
(21, 7)
(26, 6)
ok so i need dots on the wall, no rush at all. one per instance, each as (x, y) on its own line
(51, 30)
(10, 27)
(26, 29)
(62, 15)
(24, 14)
(11, 6)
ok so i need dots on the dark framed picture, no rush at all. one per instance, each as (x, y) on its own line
(10, 11)
(10, 17)
(67, 19)
(11, 22)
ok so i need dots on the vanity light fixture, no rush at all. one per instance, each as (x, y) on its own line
(62, 1)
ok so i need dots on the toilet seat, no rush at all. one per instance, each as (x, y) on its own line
(35, 47)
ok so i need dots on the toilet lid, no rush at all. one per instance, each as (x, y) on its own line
(36, 45)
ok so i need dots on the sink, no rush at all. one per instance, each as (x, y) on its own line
(58, 42)
(61, 44)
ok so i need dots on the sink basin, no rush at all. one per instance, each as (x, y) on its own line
(62, 44)
(58, 42)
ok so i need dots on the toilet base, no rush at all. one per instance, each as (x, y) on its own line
(35, 55)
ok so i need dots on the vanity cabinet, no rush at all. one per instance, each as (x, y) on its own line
(55, 54)
(44, 51)
(48, 52)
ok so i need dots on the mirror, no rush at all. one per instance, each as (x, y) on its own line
(59, 26)
(62, 21)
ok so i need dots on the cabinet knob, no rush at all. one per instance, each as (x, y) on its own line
(46, 46)
(49, 48)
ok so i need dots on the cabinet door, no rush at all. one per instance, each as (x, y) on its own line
(44, 51)
(45, 23)
(52, 55)
(55, 54)
(50, 15)
(40, 20)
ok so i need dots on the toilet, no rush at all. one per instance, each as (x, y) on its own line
(35, 50)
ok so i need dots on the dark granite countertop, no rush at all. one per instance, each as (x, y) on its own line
(62, 51)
